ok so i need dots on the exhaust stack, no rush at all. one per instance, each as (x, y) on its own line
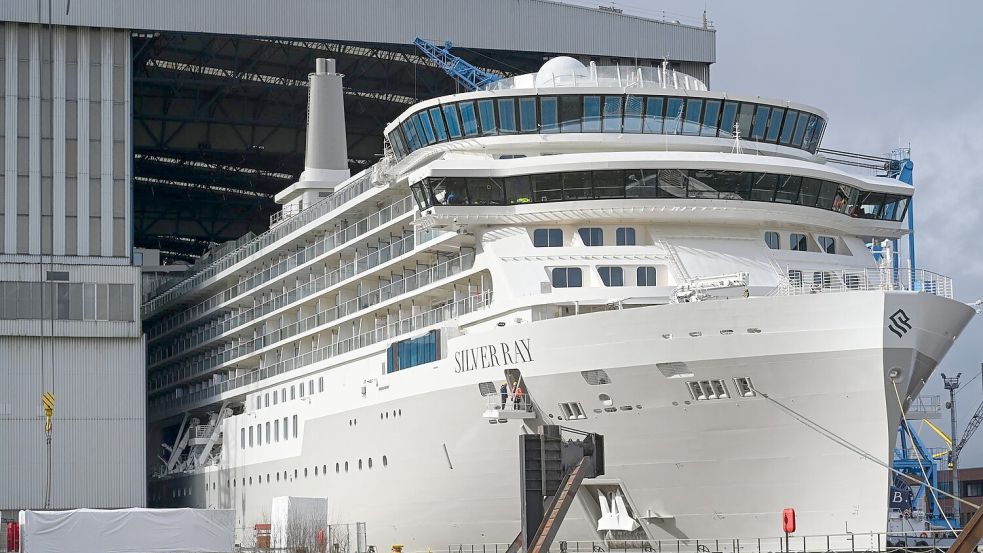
(326, 152)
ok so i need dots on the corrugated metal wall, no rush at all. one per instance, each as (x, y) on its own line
(522, 25)
(80, 203)
(98, 442)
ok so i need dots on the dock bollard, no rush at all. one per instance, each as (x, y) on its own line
(397, 548)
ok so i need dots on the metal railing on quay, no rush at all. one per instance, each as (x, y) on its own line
(361, 184)
(305, 254)
(801, 282)
(389, 331)
(230, 352)
(914, 542)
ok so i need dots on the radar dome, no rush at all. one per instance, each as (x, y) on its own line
(562, 68)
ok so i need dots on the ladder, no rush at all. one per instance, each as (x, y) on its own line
(558, 508)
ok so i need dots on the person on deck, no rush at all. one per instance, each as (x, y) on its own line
(504, 390)
(518, 397)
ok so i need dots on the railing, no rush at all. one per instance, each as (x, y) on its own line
(924, 407)
(360, 184)
(312, 251)
(200, 365)
(801, 282)
(383, 333)
(522, 404)
(189, 340)
(287, 212)
(901, 542)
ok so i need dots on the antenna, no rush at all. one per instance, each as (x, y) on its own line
(737, 139)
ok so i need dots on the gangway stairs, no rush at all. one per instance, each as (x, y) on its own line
(558, 508)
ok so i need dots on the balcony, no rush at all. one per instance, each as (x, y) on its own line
(162, 407)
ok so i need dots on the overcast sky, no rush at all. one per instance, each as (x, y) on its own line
(887, 73)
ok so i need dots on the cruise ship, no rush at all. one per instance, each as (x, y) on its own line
(677, 269)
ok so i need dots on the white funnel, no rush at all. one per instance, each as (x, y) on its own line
(326, 152)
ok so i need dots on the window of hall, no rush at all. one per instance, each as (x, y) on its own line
(592, 236)
(773, 240)
(798, 242)
(645, 276)
(547, 238)
(828, 244)
(625, 236)
(612, 276)
(567, 277)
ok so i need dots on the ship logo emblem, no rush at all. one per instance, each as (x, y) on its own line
(900, 323)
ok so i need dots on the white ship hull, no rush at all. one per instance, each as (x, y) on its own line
(720, 468)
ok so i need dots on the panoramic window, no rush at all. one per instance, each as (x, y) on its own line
(438, 124)
(567, 277)
(453, 121)
(527, 114)
(591, 236)
(612, 276)
(413, 351)
(773, 240)
(624, 236)
(662, 183)
(486, 113)
(506, 115)
(645, 276)
(798, 242)
(547, 238)
(469, 118)
(827, 244)
(633, 114)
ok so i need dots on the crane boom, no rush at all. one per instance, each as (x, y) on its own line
(469, 76)
(971, 427)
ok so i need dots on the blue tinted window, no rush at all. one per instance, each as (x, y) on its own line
(547, 104)
(592, 114)
(427, 127)
(453, 121)
(591, 236)
(800, 129)
(817, 134)
(486, 111)
(547, 238)
(788, 126)
(420, 135)
(469, 118)
(691, 123)
(760, 124)
(674, 116)
(527, 114)
(774, 124)
(653, 116)
(611, 120)
(506, 115)
(645, 276)
(727, 119)
(571, 110)
(633, 114)
(612, 276)
(625, 236)
(710, 118)
(567, 277)
(410, 353)
(438, 124)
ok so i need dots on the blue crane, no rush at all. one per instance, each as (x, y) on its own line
(467, 75)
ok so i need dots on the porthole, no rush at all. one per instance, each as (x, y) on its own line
(315, 470)
(394, 413)
(401, 412)
(387, 414)
(337, 468)
(359, 464)
(605, 400)
(295, 474)
(305, 472)
(380, 416)
(385, 461)
(277, 476)
(284, 476)
(324, 470)
(267, 478)
(250, 480)
(346, 466)
(370, 462)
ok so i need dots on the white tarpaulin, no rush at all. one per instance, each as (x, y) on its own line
(299, 522)
(128, 531)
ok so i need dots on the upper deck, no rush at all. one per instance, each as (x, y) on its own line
(568, 98)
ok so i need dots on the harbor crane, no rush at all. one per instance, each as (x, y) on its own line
(471, 78)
